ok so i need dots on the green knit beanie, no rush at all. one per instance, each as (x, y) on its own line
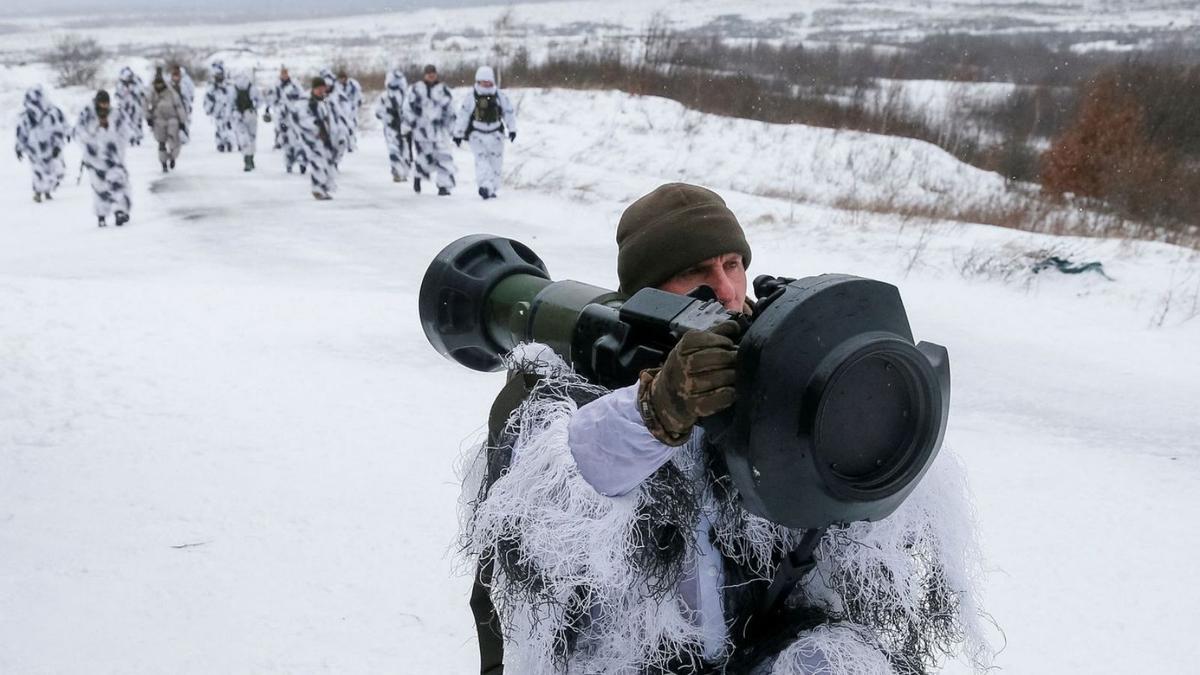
(671, 229)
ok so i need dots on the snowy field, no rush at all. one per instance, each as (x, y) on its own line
(226, 447)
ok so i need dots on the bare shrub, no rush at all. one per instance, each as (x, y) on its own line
(1135, 145)
(76, 60)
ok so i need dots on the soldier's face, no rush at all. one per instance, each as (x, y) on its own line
(486, 84)
(725, 274)
(319, 92)
(431, 77)
(175, 78)
(102, 108)
(283, 75)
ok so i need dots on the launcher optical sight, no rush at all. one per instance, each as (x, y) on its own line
(838, 412)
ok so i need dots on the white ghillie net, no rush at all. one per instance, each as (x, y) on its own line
(585, 583)
(913, 577)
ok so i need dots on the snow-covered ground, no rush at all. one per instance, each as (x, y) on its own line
(450, 35)
(225, 446)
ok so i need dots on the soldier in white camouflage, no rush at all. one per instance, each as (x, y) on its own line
(485, 117)
(104, 134)
(429, 113)
(389, 110)
(42, 133)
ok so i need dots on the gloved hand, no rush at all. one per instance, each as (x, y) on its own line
(695, 381)
(150, 122)
(267, 117)
(20, 156)
(458, 142)
(512, 136)
(56, 152)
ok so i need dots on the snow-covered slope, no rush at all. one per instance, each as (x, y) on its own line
(225, 445)
(469, 33)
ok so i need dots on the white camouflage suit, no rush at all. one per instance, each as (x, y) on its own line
(349, 95)
(283, 98)
(104, 157)
(389, 110)
(485, 117)
(246, 101)
(314, 120)
(131, 98)
(187, 93)
(42, 133)
(429, 113)
(342, 132)
(218, 104)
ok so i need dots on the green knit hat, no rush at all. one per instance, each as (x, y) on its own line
(671, 229)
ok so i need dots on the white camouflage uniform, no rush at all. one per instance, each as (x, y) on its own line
(485, 117)
(218, 104)
(104, 157)
(283, 98)
(187, 93)
(429, 112)
(42, 133)
(314, 121)
(389, 110)
(349, 95)
(342, 133)
(246, 102)
(131, 98)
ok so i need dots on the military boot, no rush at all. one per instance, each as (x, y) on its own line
(416, 185)
(102, 222)
(37, 197)
(443, 192)
(122, 218)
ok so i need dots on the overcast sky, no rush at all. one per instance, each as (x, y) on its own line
(226, 7)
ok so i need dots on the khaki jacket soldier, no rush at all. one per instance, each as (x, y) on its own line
(167, 116)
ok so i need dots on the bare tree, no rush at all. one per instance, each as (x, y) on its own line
(76, 60)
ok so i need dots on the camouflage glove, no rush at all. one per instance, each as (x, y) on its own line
(266, 117)
(458, 142)
(695, 381)
(512, 137)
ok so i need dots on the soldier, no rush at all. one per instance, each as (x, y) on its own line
(218, 104)
(131, 96)
(429, 113)
(339, 107)
(167, 119)
(246, 101)
(182, 83)
(42, 133)
(104, 134)
(314, 120)
(612, 538)
(283, 97)
(349, 95)
(483, 118)
(390, 112)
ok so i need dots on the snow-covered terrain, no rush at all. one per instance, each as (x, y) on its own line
(450, 35)
(225, 446)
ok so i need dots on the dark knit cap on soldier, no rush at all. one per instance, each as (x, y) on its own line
(671, 229)
(317, 82)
